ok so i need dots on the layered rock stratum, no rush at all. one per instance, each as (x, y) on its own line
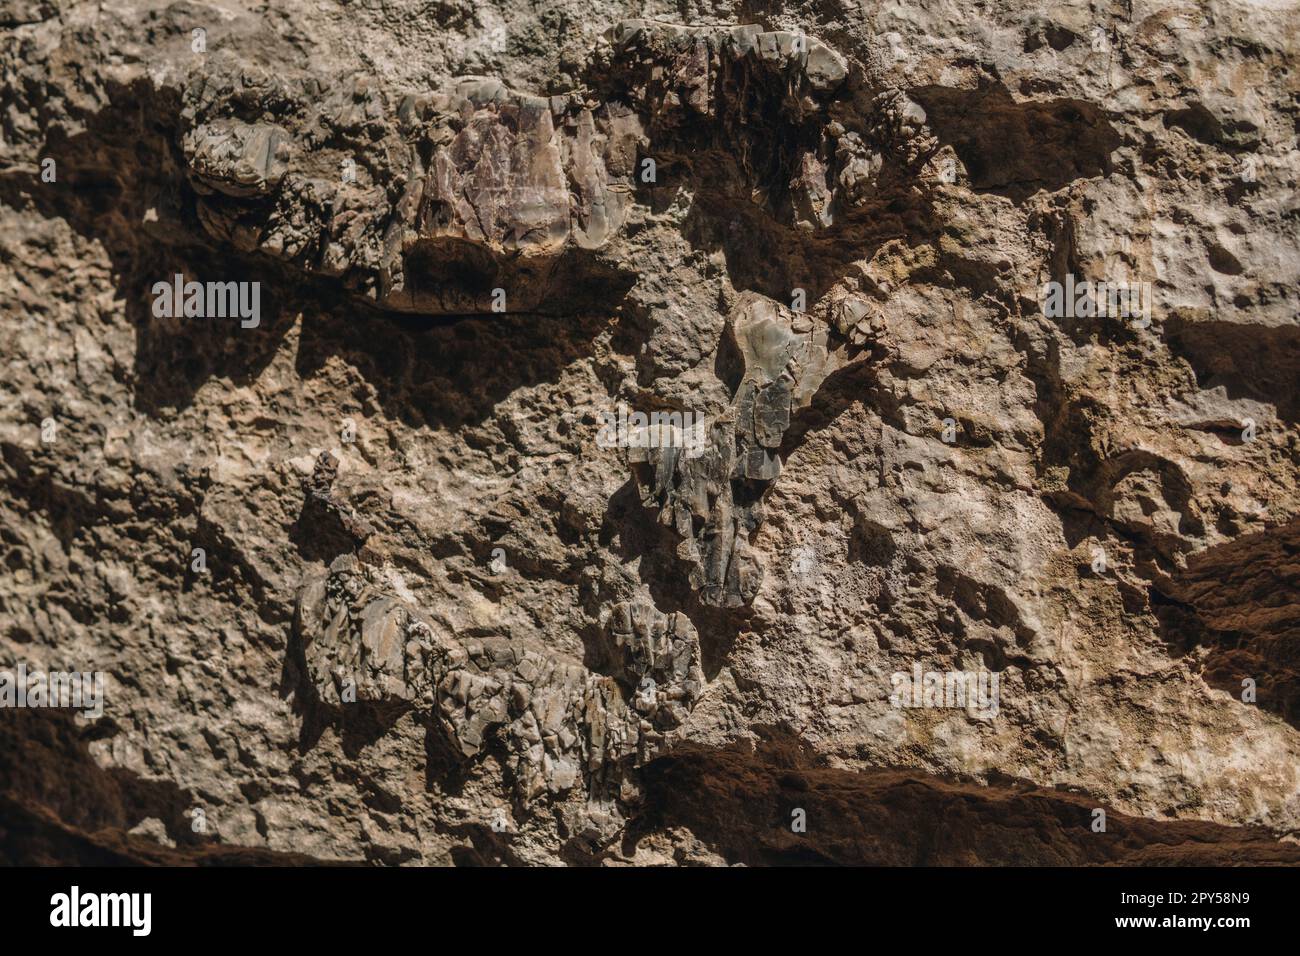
(370, 578)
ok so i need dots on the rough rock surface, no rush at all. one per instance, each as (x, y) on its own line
(365, 582)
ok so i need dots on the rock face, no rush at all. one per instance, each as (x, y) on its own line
(856, 436)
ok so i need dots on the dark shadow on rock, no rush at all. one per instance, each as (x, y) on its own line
(445, 373)
(1241, 601)
(766, 255)
(631, 531)
(857, 381)
(1257, 362)
(1017, 149)
(58, 807)
(741, 802)
(67, 510)
(122, 183)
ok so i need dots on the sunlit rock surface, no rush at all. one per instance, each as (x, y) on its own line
(373, 578)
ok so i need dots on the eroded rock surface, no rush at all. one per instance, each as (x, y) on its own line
(365, 580)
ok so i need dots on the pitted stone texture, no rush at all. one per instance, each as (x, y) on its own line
(943, 501)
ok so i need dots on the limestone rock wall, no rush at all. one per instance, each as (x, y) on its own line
(603, 433)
